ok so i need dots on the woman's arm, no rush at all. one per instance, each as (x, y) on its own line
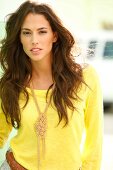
(5, 129)
(92, 152)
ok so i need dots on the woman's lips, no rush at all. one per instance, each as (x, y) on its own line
(35, 50)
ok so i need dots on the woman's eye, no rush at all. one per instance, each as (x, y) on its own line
(42, 32)
(26, 33)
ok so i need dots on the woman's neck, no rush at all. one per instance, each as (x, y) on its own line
(41, 77)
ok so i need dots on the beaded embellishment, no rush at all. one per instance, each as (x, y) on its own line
(40, 127)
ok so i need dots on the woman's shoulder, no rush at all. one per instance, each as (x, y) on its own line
(90, 74)
(89, 70)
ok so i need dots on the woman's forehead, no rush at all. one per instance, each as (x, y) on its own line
(35, 20)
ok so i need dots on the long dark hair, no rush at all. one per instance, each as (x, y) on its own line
(17, 68)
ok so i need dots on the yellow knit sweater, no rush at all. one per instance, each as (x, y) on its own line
(65, 147)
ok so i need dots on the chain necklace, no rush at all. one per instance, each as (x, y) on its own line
(41, 125)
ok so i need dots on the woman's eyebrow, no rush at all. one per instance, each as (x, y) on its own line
(27, 29)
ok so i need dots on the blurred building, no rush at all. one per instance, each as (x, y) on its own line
(86, 15)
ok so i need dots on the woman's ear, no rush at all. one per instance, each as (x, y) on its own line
(55, 37)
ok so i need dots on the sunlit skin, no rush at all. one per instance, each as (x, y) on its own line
(37, 39)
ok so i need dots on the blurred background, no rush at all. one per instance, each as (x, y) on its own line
(91, 23)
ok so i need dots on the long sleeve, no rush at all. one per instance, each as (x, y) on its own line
(5, 128)
(92, 152)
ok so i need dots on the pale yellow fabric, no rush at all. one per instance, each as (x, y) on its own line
(62, 144)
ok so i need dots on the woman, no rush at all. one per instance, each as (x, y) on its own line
(47, 96)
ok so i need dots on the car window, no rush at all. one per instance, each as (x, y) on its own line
(91, 49)
(108, 50)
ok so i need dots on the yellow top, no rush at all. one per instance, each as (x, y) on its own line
(63, 145)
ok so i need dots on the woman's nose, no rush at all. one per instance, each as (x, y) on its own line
(35, 39)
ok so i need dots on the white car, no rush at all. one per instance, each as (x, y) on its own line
(97, 49)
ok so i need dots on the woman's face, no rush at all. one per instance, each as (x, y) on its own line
(37, 37)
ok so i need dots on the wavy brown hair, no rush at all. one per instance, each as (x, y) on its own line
(16, 65)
